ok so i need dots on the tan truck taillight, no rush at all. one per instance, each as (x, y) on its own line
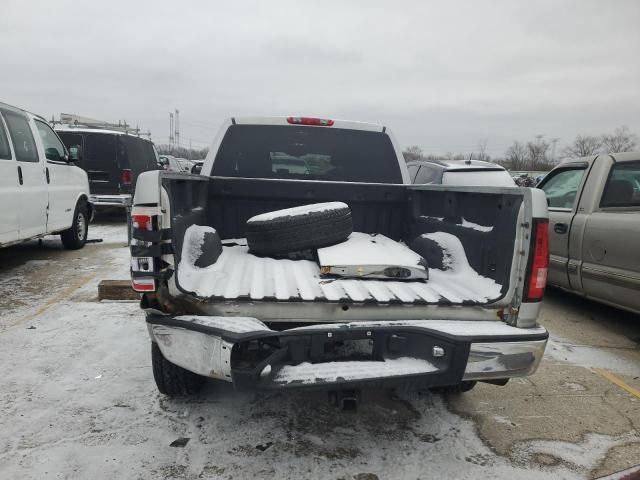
(142, 265)
(539, 261)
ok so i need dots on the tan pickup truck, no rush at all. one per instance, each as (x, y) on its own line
(594, 228)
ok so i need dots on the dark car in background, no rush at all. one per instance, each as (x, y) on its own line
(459, 172)
(113, 160)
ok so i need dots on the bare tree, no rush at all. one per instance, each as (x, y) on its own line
(537, 154)
(621, 140)
(482, 150)
(516, 156)
(413, 153)
(583, 146)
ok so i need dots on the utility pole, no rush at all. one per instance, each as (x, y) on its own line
(171, 129)
(177, 135)
(553, 149)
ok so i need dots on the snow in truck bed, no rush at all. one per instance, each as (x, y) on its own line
(239, 274)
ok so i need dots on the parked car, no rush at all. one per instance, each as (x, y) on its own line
(459, 172)
(173, 164)
(186, 164)
(594, 231)
(525, 180)
(113, 159)
(197, 166)
(41, 191)
(215, 310)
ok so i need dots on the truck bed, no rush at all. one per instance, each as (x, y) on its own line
(237, 274)
(476, 230)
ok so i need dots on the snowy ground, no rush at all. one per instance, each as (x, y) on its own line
(78, 400)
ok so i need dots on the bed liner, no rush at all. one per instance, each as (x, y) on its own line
(238, 275)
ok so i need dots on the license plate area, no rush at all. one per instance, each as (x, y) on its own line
(350, 346)
(348, 349)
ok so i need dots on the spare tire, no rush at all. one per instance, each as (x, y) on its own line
(299, 228)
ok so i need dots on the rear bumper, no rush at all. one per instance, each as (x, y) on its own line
(425, 353)
(123, 200)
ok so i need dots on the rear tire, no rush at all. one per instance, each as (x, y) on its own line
(75, 237)
(171, 379)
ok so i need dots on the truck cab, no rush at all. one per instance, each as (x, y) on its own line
(594, 227)
(41, 191)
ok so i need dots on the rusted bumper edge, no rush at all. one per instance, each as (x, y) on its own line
(426, 353)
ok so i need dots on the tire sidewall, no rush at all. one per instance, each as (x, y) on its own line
(71, 238)
(85, 221)
(294, 233)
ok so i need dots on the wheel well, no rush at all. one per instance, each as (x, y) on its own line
(91, 209)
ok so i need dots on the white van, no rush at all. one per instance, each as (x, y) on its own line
(41, 192)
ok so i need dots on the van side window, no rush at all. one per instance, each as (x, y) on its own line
(5, 151)
(562, 188)
(623, 186)
(73, 141)
(100, 149)
(53, 147)
(23, 143)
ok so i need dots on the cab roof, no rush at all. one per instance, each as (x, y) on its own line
(71, 128)
(346, 124)
(6, 106)
(460, 164)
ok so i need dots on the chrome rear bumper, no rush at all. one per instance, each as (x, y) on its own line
(123, 200)
(434, 353)
(497, 360)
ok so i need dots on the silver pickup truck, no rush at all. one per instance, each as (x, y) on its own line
(594, 215)
(277, 323)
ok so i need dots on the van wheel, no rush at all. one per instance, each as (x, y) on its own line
(298, 229)
(76, 236)
(171, 379)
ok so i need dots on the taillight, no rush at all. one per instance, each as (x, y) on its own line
(125, 176)
(142, 266)
(143, 284)
(320, 122)
(143, 222)
(539, 260)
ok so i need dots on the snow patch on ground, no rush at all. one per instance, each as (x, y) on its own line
(562, 349)
(298, 211)
(585, 455)
(108, 233)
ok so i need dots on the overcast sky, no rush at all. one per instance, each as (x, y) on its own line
(443, 75)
